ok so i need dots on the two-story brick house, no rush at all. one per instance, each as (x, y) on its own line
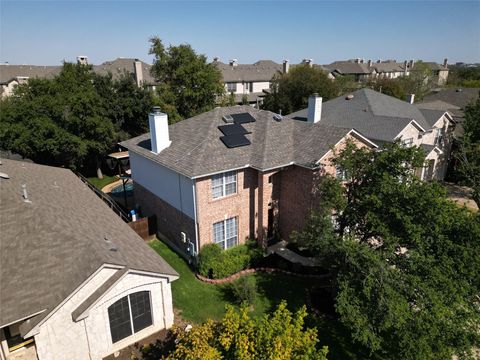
(233, 173)
(382, 119)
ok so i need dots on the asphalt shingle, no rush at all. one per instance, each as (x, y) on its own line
(51, 245)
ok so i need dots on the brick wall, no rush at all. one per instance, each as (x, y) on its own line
(170, 221)
(241, 205)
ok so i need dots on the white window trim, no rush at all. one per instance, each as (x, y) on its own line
(224, 185)
(131, 317)
(224, 241)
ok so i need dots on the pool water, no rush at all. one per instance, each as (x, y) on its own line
(119, 189)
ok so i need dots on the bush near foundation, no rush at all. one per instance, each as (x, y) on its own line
(216, 263)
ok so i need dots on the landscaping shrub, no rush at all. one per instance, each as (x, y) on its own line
(216, 263)
(244, 290)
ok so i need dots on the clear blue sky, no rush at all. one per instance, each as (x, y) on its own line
(46, 32)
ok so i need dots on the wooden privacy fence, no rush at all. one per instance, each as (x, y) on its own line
(145, 227)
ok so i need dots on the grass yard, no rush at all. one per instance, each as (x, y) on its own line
(100, 183)
(199, 301)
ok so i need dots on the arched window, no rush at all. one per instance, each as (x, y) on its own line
(129, 315)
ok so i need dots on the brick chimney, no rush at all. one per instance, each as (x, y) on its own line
(314, 109)
(159, 135)
(286, 66)
(138, 72)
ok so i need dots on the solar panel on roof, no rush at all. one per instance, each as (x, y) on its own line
(233, 141)
(243, 118)
(233, 129)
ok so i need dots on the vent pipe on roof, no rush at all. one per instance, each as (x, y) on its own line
(159, 135)
(314, 109)
(411, 98)
(25, 194)
(138, 72)
(286, 66)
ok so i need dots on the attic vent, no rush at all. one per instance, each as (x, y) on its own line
(228, 119)
(4, 176)
(349, 97)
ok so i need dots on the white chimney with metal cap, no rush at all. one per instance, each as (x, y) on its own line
(286, 66)
(159, 136)
(314, 109)
(411, 98)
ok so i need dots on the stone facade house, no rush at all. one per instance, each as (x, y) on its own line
(76, 282)
(382, 119)
(232, 174)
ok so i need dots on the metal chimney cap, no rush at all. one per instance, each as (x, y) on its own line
(315, 95)
(156, 110)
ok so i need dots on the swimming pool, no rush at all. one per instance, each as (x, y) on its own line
(119, 189)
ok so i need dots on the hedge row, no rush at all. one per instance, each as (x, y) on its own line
(216, 263)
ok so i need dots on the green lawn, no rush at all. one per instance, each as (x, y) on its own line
(199, 301)
(100, 183)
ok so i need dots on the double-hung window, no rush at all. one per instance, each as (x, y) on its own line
(129, 315)
(231, 87)
(225, 233)
(407, 142)
(341, 174)
(224, 184)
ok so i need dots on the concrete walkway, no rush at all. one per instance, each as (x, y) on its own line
(281, 250)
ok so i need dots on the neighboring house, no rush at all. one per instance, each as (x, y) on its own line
(13, 75)
(362, 70)
(232, 174)
(249, 80)
(356, 68)
(136, 69)
(76, 281)
(382, 119)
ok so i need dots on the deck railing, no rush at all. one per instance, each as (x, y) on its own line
(107, 199)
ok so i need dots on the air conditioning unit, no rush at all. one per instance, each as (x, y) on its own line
(183, 237)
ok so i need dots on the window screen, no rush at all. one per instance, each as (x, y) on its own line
(119, 316)
(132, 308)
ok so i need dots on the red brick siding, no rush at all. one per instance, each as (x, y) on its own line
(170, 221)
(240, 205)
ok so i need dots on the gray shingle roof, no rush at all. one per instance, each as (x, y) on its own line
(50, 246)
(348, 67)
(262, 70)
(9, 72)
(432, 116)
(377, 116)
(119, 66)
(197, 150)
(116, 67)
(457, 97)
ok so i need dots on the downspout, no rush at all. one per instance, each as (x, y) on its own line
(197, 248)
(88, 341)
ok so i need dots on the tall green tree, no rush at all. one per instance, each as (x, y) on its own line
(187, 84)
(404, 258)
(74, 119)
(469, 152)
(290, 91)
(280, 335)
